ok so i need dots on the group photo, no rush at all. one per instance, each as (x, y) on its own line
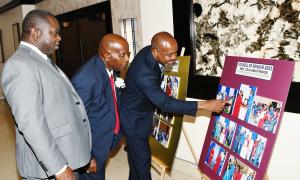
(224, 130)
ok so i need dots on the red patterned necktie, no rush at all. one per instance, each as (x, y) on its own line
(112, 84)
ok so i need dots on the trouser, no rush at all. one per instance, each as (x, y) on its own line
(139, 158)
(101, 161)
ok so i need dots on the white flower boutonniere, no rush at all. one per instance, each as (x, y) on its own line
(120, 83)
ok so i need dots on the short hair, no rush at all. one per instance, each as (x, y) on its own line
(160, 37)
(34, 18)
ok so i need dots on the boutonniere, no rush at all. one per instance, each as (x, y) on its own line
(119, 82)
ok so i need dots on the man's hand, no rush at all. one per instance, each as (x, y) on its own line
(93, 166)
(212, 105)
(66, 175)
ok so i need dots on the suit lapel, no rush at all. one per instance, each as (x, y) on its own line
(154, 65)
(106, 83)
(39, 59)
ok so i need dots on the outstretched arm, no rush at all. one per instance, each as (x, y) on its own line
(212, 105)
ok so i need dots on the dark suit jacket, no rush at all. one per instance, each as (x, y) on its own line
(93, 86)
(143, 93)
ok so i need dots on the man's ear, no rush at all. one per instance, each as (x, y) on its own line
(107, 56)
(35, 33)
(155, 52)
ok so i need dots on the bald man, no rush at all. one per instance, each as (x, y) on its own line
(94, 82)
(143, 93)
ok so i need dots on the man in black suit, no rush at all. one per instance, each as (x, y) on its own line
(143, 93)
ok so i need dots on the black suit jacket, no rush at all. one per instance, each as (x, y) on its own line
(143, 93)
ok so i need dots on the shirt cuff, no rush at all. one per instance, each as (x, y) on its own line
(62, 170)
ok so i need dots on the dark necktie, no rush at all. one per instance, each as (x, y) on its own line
(112, 84)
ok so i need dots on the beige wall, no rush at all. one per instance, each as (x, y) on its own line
(155, 21)
(148, 21)
(6, 20)
(59, 7)
(121, 9)
(17, 14)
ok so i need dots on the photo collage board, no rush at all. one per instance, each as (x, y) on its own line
(166, 126)
(163, 121)
(240, 140)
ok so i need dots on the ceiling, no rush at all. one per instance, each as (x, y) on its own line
(4, 2)
(6, 5)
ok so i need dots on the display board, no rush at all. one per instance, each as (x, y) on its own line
(240, 140)
(167, 126)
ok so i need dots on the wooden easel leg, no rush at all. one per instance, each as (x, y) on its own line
(162, 173)
(203, 176)
(190, 144)
(160, 167)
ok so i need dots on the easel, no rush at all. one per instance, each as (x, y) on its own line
(203, 176)
(159, 167)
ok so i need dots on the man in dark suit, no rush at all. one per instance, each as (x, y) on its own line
(143, 93)
(95, 86)
(52, 127)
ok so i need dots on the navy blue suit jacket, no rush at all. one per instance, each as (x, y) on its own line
(93, 86)
(143, 93)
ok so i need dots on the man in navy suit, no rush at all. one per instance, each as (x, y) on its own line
(96, 88)
(143, 93)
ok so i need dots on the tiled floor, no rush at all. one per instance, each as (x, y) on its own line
(117, 167)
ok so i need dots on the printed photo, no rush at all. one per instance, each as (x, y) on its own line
(162, 133)
(236, 170)
(223, 130)
(249, 145)
(173, 67)
(155, 126)
(171, 85)
(227, 94)
(167, 117)
(243, 102)
(215, 158)
(265, 113)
